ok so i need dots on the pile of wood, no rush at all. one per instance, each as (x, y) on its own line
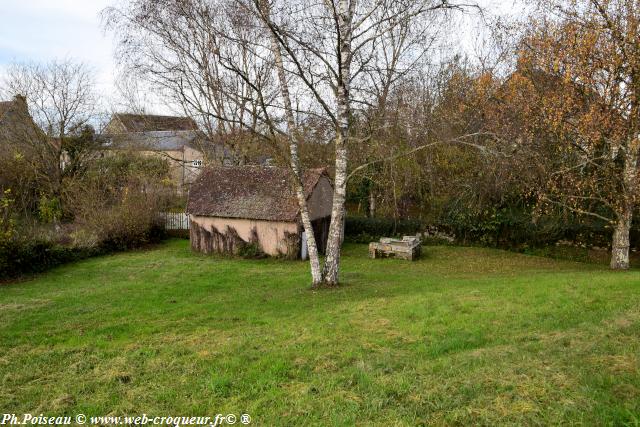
(407, 248)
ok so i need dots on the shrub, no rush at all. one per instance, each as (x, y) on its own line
(7, 223)
(19, 256)
(113, 206)
(83, 238)
(49, 209)
(364, 230)
(510, 226)
(118, 203)
(250, 250)
(132, 223)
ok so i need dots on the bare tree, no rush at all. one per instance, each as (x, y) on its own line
(347, 54)
(61, 99)
(319, 59)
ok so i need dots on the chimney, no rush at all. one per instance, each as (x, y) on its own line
(20, 102)
(21, 99)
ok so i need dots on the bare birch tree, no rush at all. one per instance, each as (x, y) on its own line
(266, 66)
(346, 54)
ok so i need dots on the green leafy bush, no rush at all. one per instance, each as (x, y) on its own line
(49, 209)
(364, 230)
(20, 256)
(29, 254)
(7, 223)
(511, 226)
(251, 250)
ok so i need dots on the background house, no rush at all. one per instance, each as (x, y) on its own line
(230, 207)
(121, 123)
(177, 139)
(16, 124)
(20, 135)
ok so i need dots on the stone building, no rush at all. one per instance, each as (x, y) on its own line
(176, 139)
(230, 207)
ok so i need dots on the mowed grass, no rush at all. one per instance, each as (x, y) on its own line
(463, 336)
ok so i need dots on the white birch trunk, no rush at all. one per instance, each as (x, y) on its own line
(372, 204)
(620, 241)
(334, 241)
(331, 269)
(314, 259)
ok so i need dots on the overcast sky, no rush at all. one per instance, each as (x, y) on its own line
(42, 30)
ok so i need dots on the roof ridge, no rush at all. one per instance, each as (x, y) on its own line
(152, 115)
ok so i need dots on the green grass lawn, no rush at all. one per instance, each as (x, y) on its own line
(463, 336)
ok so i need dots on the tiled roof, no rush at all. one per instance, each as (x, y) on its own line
(250, 192)
(147, 122)
(16, 123)
(5, 106)
(152, 140)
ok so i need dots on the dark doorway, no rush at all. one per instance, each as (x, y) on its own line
(321, 232)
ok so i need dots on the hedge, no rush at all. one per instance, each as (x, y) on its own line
(20, 256)
(364, 230)
(502, 230)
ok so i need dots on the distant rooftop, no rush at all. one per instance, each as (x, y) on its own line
(150, 123)
(152, 140)
(5, 106)
(18, 104)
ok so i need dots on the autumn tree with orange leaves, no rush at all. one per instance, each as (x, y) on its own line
(572, 108)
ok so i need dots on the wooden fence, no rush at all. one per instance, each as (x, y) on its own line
(176, 220)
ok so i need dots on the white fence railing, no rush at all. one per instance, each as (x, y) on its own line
(176, 220)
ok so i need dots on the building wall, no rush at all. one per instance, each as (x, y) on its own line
(272, 235)
(321, 199)
(114, 127)
(211, 234)
(181, 168)
(192, 172)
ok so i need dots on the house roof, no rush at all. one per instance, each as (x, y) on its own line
(5, 106)
(152, 140)
(249, 192)
(18, 105)
(147, 122)
(15, 121)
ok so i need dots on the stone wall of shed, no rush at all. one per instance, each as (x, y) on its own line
(217, 235)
